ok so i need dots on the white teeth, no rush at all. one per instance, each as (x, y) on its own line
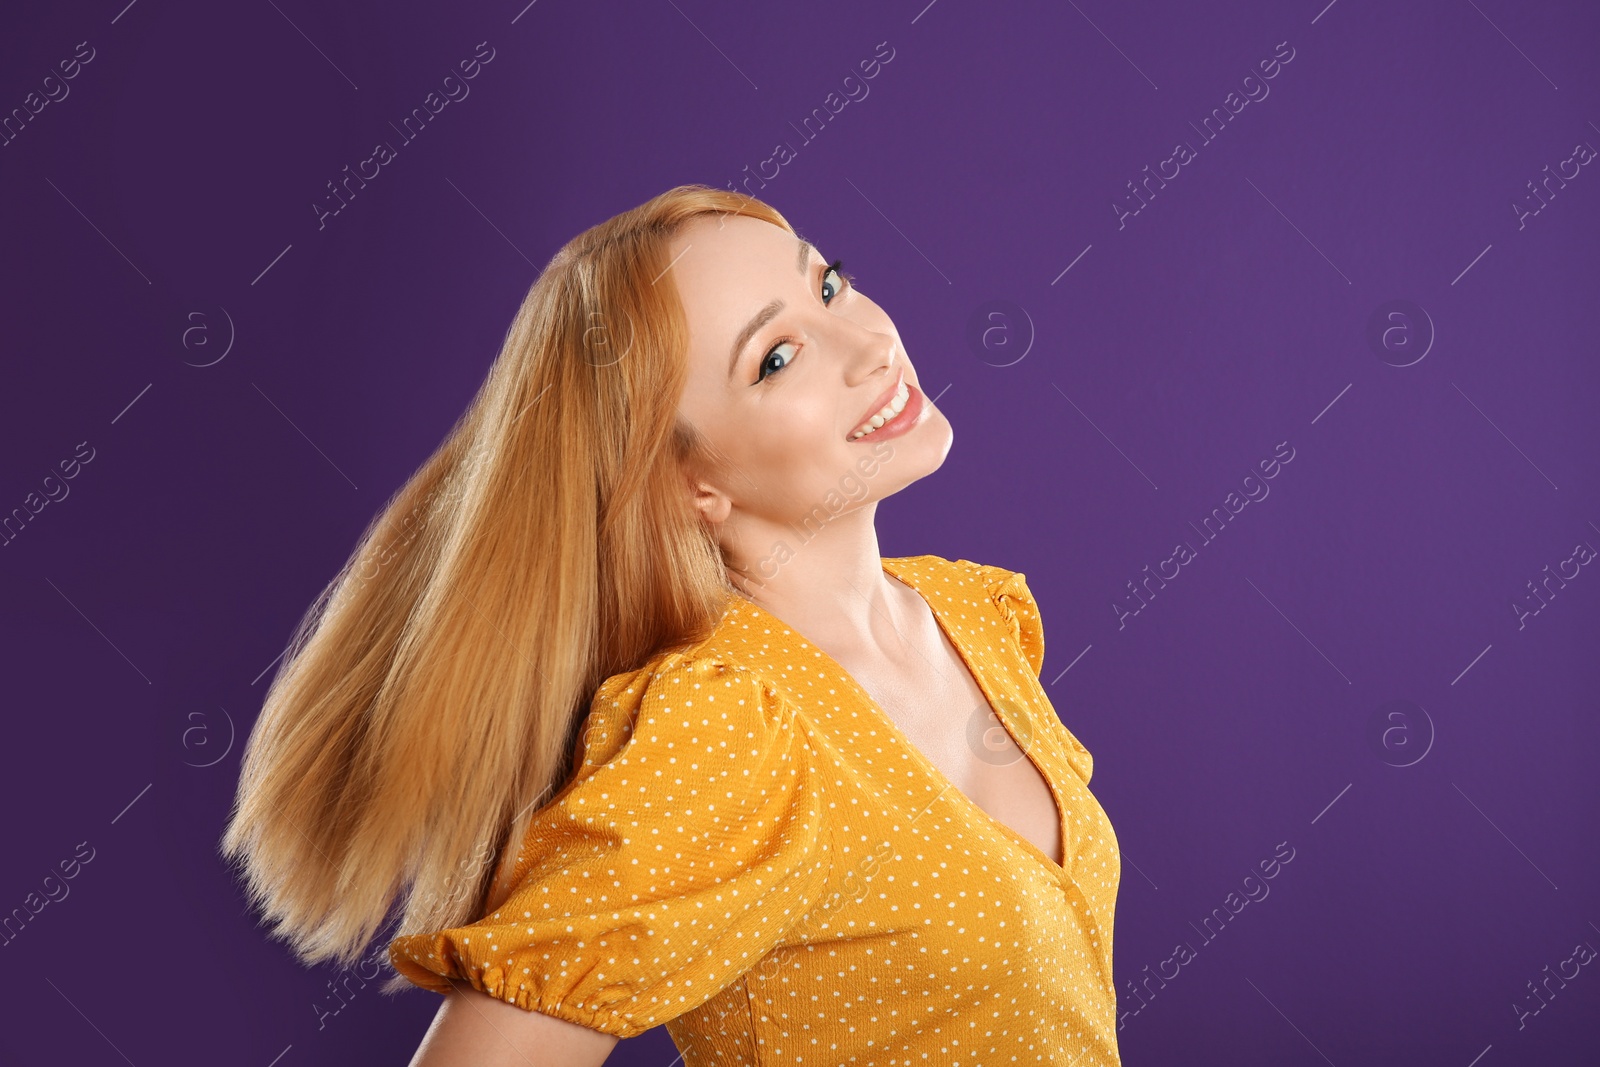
(888, 411)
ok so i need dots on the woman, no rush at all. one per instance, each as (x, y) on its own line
(619, 698)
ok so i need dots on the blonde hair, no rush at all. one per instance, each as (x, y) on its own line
(430, 697)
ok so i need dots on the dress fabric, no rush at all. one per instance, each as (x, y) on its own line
(753, 854)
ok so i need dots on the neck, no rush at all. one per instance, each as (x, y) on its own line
(826, 582)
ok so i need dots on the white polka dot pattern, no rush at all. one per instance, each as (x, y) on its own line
(766, 865)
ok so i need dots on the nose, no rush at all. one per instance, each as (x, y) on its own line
(871, 354)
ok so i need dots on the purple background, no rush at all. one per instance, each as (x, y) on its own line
(1099, 411)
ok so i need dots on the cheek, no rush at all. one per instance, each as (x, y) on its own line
(792, 455)
(788, 444)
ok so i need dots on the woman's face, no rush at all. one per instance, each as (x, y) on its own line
(787, 360)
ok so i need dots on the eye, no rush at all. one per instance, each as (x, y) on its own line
(834, 282)
(835, 287)
(766, 366)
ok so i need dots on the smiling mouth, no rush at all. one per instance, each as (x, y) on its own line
(895, 406)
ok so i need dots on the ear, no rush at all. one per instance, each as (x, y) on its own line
(713, 504)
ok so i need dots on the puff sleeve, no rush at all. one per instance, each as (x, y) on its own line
(1009, 592)
(689, 842)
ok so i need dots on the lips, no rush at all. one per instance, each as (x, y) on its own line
(877, 406)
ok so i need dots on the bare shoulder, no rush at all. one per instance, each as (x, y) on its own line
(472, 1027)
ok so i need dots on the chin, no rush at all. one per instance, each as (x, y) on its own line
(912, 457)
(941, 448)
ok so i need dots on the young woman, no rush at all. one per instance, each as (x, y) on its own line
(619, 704)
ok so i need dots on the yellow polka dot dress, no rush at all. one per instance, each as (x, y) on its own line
(753, 854)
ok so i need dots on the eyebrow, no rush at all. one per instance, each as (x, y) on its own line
(768, 313)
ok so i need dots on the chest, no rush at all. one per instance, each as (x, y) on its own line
(945, 715)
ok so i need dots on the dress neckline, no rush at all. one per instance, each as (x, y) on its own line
(997, 704)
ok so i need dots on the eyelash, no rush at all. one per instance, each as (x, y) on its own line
(833, 268)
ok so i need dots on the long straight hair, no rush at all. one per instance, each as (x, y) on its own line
(430, 697)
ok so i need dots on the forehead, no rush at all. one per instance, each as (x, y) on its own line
(726, 269)
(715, 256)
